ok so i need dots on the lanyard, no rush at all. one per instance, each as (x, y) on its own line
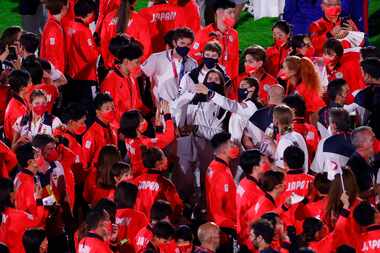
(39, 126)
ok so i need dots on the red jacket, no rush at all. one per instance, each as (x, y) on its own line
(275, 58)
(265, 82)
(133, 146)
(324, 245)
(24, 191)
(152, 187)
(124, 90)
(105, 7)
(369, 241)
(142, 239)
(230, 48)
(130, 222)
(53, 44)
(319, 31)
(67, 159)
(15, 109)
(14, 223)
(350, 71)
(162, 18)
(96, 137)
(192, 17)
(93, 243)
(221, 194)
(138, 28)
(8, 160)
(51, 91)
(309, 133)
(82, 52)
(92, 193)
(4, 100)
(247, 194)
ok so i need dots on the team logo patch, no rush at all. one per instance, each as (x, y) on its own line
(52, 41)
(196, 45)
(231, 38)
(339, 75)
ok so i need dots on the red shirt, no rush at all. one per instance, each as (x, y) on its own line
(51, 91)
(14, 223)
(369, 240)
(349, 70)
(152, 187)
(221, 194)
(8, 160)
(130, 222)
(275, 58)
(53, 44)
(96, 137)
(24, 191)
(92, 193)
(82, 52)
(265, 82)
(137, 28)
(93, 243)
(309, 133)
(15, 109)
(319, 30)
(142, 239)
(124, 90)
(162, 18)
(230, 48)
(247, 194)
(133, 146)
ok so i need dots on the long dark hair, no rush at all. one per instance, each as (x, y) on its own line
(124, 14)
(108, 156)
(6, 188)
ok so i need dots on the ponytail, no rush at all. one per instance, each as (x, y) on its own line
(124, 15)
(309, 75)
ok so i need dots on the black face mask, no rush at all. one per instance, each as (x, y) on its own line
(242, 94)
(210, 62)
(215, 87)
(182, 51)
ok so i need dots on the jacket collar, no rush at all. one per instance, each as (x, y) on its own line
(373, 227)
(217, 159)
(95, 236)
(296, 171)
(270, 198)
(19, 99)
(101, 123)
(26, 171)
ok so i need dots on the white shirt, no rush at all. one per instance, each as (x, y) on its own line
(31, 129)
(159, 67)
(286, 140)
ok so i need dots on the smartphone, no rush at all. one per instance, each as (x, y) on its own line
(12, 56)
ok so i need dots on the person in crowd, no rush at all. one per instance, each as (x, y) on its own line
(209, 237)
(361, 161)
(160, 211)
(38, 121)
(162, 17)
(340, 65)
(19, 81)
(308, 131)
(129, 220)
(261, 121)
(249, 189)
(277, 53)
(124, 19)
(13, 221)
(100, 133)
(126, 94)
(261, 235)
(221, 30)
(152, 185)
(99, 228)
(29, 43)
(8, 161)
(133, 126)
(35, 241)
(167, 68)
(255, 59)
(52, 41)
(334, 151)
(221, 204)
(184, 239)
(99, 184)
(331, 25)
(192, 16)
(337, 91)
(301, 46)
(163, 233)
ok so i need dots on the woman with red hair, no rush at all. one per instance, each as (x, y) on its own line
(302, 78)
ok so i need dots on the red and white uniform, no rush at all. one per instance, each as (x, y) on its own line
(221, 194)
(93, 243)
(320, 29)
(96, 137)
(51, 91)
(16, 108)
(265, 82)
(310, 134)
(152, 187)
(82, 52)
(142, 239)
(24, 191)
(8, 160)
(162, 18)
(230, 49)
(369, 240)
(137, 28)
(53, 44)
(133, 146)
(275, 58)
